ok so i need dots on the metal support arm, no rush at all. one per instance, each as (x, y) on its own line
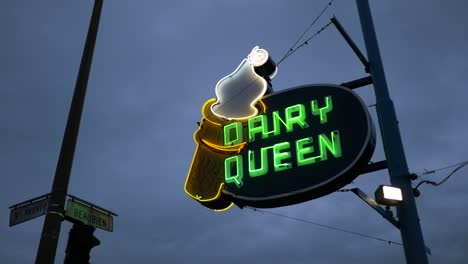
(351, 43)
(372, 203)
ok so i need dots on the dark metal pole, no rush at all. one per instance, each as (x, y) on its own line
(358, 83)
(54, 217)
(410, 228)
(351, 43)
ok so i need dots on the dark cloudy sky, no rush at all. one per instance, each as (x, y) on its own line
(157, 62)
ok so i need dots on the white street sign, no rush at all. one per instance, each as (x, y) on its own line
(28, 211)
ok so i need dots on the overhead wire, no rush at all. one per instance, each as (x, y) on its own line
(306, 42)
(293, 48)
(325, 226)
(426, 172)
(459, 166)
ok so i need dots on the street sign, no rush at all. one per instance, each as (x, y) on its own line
(28, 211)
(89, 215)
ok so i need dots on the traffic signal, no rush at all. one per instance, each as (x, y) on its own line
(80, 242)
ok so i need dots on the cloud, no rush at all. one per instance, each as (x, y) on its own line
(154, 66)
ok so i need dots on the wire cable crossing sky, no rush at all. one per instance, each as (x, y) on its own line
(325, 226)
(145, 94)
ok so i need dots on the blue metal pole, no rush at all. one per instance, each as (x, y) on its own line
(411, 233)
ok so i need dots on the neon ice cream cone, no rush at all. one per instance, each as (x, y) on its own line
(238, 98)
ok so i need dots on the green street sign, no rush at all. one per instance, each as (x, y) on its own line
(89, 215)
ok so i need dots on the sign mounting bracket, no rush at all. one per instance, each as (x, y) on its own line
(372, 203)
(92, 205)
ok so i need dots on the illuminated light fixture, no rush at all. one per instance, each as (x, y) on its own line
(238, 92)
(388, 195)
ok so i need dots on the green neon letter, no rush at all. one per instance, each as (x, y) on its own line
(302, 150)
(333, 145)
(322, 112)
(254, 172)
(279, 156)
(231, 163)
(276, 123)
(298, 119)
(228, 140)
(257, 124)
(290, 118)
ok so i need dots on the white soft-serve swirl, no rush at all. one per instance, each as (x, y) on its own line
(238, 92)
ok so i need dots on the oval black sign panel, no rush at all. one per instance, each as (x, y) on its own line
(310, 141)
